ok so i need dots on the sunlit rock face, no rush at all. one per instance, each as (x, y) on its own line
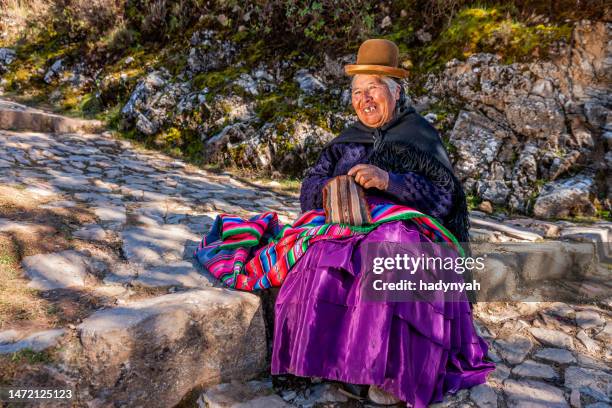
(526, 125)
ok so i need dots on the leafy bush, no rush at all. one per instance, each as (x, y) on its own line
(21, 17)
(86, 19)
(494, 30)
(121, 38)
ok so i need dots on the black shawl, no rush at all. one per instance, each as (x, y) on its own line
(409, 143)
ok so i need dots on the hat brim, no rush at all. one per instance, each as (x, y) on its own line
(375, 70)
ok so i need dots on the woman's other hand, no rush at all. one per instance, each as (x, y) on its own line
(369, 176)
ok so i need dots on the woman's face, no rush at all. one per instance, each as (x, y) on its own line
(372, 100)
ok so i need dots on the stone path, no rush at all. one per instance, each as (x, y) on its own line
(151, 210)
(15, 116)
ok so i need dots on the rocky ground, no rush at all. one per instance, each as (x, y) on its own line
(103, 234)
(531, 135)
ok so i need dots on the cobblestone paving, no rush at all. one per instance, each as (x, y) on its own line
(151, 212)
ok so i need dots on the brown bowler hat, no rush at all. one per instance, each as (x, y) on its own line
(377, 56)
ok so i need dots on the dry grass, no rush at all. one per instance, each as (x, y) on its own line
(37, 231)
(18, 17)
(18, 303)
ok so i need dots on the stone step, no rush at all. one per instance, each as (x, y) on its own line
(514, 232)
(153, 352)
(14, 116)
(513, 265)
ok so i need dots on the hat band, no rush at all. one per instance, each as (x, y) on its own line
(355, 69)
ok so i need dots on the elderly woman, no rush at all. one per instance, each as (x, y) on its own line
(408, 351)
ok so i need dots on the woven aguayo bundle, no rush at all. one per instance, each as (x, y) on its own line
(344, 202)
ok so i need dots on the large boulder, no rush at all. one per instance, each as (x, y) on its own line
(567, 197)
(207, 53)
(153, 352)
(154, 102)
(273, 146)
(525, 123)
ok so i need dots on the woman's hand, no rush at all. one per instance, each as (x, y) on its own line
(369, 176)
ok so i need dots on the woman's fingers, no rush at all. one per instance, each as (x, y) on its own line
(361, 176)
(368, 176)
(356, 168)
(370, 183)
(365, 179)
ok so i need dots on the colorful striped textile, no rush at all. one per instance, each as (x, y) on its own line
(258, 253)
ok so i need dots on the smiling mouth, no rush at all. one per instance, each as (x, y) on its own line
(370, 109)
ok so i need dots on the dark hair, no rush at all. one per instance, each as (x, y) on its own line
(401, 103)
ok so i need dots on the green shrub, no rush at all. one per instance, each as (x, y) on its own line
(493, 30)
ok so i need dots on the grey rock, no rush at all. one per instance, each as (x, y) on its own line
(477, 140)
(590, 344)
(73, 183)
(386, 22)
(177, 274)
(146, 126)
(209, 53)
(556, 355)
(500, 373)
(253, 394)
(553, 105)
(492, 354)
(515, 348)
(484, 396)
(431, 117)
(111, 214)
(246, 82)
(533, 394)
(551, 337)
(7, 56)
(595, 383)
(36, 342)
(328, 393)
(561, 309)
(515, 232)
(56, 68)
(530, 368)
(495, 191)
(588, 319)
(536, 117)
(423, 36)
(156, 245)
(562, 198)
(186, 332)
(308, 83)
(543, 88)
(589, 362)
(575, 398)
(288, 395)
(57, 270)
(91, 232)
(122, 273)
(605, 335)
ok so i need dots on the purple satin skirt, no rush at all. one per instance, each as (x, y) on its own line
(417, 351)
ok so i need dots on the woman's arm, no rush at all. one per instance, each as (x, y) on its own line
(311, 192)
(417, 191)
